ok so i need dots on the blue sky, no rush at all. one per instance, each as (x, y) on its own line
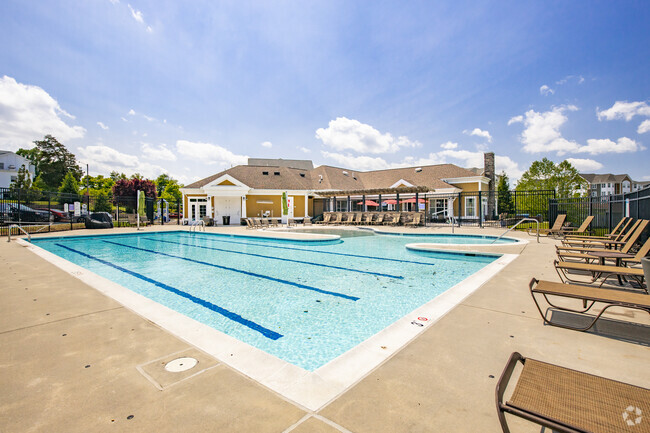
(191, 88)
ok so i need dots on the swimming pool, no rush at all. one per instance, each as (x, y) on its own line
(303, 302)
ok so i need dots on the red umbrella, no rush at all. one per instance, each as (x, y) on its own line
(369, 203)
(412, 200)
(389, 202)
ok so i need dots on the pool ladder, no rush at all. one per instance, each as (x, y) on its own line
(197, 225)
(29, 237)
(519, 222)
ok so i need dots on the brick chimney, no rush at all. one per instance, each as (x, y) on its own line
(488, 171)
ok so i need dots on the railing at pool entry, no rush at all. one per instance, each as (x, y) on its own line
(519, 222)
(16, 226)
(196, 225)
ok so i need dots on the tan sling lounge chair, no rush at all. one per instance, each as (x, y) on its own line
(618, 240)
(379, 219)
(630, 239)
(586, 256)
(326, 219)
(336, 219)
(619, 229)
(589, 296)
(415, 221)
(557, 227)
(564, 231)
(598, 272)
(571, 401)
(393, 219)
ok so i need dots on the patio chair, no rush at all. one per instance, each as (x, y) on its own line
(265, 223)
(625, 243)
(249, 223)
(415, 221)
(257, 223)
(616, 232)
(336, 218)
(367, 218)
(393, 219)
(598, 272)
(327, 216)
(589, 295)
(621, 238)
(582, 230)
(380, 219)
(306, 221)
(557, 227)
(358, 218)
(570, 401)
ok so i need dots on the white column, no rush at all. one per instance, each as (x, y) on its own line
(243, 207)
(208, 207)
(306, 205)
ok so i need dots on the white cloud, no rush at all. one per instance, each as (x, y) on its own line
(304, 149)
(599, 146)
(479, 133)
(114, 1)
(625, 110)
(360, 163)
(542, 133)
(516, 119)
(545, 90)
(136, 14)
(644, 127)
(27, 113)
(449, 145)
(349, 134)
(101, 125)
(585, 165)
(564, 80)
(104, 159)
(504, 163)
(131, 112)
(161, 152)
(124, 119)
(210, 153)
(267, 144)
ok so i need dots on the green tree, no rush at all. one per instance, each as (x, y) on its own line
(102, 204)
(172, 192)
(69, 185)
(38, 184)
(53, 161)
(505, 204)
(563, 178)
(98, 184)
(115, 176)
(23, 179)
(161, 183)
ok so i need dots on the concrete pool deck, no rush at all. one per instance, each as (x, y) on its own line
(76, 360)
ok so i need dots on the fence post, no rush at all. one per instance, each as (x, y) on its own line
(49, 227)
(19, 207)
(480, 210)
(459, 207)
(609, 220)
(637, 204)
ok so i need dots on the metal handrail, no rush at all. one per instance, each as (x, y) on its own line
(196, 224)
(29, 237)
(519, 222)
(453, 220)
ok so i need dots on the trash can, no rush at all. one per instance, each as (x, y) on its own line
(646, 269)
(226, 220)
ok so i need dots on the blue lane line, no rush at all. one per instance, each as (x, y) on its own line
(217, 309)
(210, 237)
(251, 274)
(399, 277)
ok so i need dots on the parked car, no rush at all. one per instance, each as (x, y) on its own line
(28, 214)
(5, 212)
(58, 214)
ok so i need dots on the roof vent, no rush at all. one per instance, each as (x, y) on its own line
(345, 173)
(276, 173)
(320, 178)
(419, 169)
(302, 174)
(265, 173)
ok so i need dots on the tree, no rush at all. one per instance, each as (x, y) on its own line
(129, 188)
(115, 176)
(23, 179)
(69, 185)
(98, 184)
(161, 183)
(505, 204)
(563, 178)
(102, 204)
(52, 161)
(172, 192)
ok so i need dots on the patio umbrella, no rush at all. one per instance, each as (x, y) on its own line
(389, 202)
(412, 200)
(369, 203)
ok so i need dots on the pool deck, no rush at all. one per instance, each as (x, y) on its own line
(76, 360)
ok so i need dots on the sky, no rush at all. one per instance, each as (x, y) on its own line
(193, 88)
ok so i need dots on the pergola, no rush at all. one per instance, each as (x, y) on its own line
(371, 192)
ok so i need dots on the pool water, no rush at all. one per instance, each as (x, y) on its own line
(303, 302)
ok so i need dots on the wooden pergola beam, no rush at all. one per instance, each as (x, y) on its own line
(376, 191)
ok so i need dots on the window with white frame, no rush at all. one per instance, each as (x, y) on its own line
(470, 207)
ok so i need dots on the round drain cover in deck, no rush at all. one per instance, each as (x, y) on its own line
(180, 364)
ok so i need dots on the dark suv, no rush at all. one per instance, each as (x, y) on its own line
(27, 214)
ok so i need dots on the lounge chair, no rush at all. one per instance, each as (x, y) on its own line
(620, 239)
(326, 218)
(566, 400)
(306, 221)
(380, 219)
(415, 221)
(257, 223)
(629, 240)
(393, 219)
(336, 219)
(367, 218)
(586, 256)
(557, 227)
(249, 223)
(358, 218)
(265, 223)
(582, 230)
(587, 294)
(598, 272)
(618, 230)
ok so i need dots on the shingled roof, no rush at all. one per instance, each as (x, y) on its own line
(327, 178)
(593, 178)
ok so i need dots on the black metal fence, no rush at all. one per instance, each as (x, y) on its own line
(607, 210)
(46, 211)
